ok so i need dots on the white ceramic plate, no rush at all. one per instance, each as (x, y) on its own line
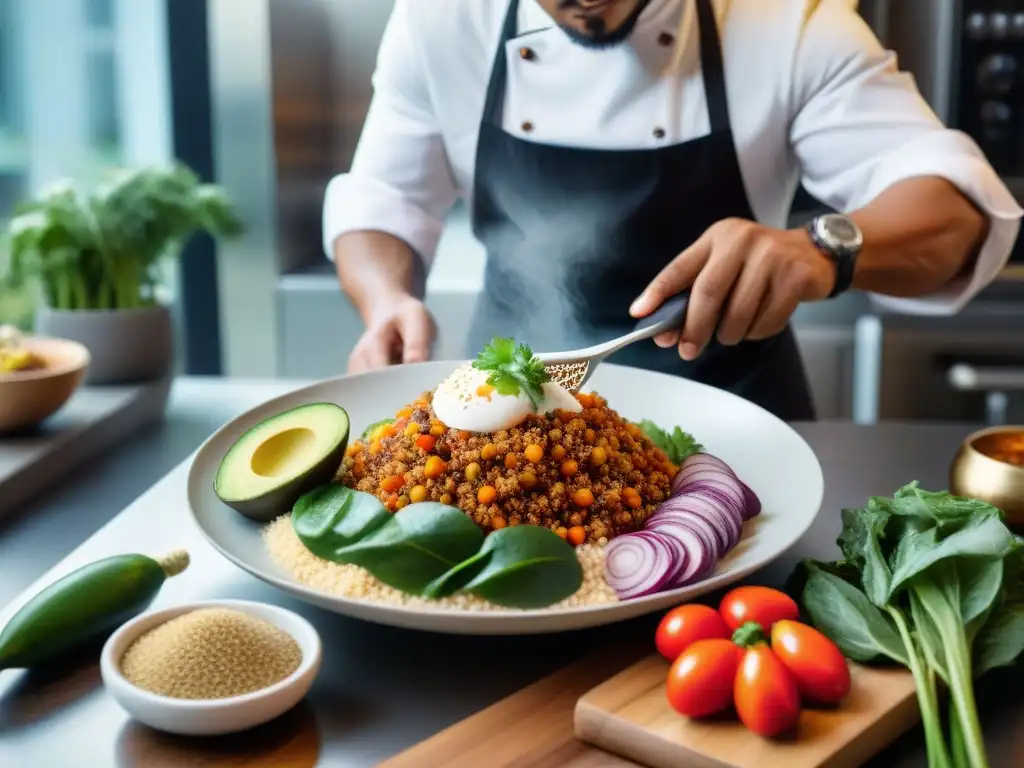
(763, 450)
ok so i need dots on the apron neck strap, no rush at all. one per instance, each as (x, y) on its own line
(494, 104)
(712, 68)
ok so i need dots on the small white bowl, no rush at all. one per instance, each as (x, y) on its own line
(209, 717)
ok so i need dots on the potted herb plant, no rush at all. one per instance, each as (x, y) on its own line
(97, 258)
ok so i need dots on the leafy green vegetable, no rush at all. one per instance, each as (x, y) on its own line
(457, 577)
(369, 430)
(678, 445)
(1000, 641)
(434, 550)
(933, 581)
(103, 250)
(527, 567)
(844, 613)
(513, 369)
(420, 543)
(333, 516)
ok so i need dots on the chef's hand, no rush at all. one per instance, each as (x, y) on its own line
(399, 330)
(745, 278)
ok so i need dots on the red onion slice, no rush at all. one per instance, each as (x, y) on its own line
(725, 522)
(672, 525)
(705, 468)
(638, 565)
(717, 494)
(700, 554)
(680, 556)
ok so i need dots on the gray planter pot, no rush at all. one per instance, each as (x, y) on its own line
(127, 346)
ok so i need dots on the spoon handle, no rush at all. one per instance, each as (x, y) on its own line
(669, 316)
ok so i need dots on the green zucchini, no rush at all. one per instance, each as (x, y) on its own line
(84, 606)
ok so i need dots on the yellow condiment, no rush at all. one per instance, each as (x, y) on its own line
(210, 653)
(13, 356)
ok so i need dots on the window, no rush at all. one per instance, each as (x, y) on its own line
(83, 88)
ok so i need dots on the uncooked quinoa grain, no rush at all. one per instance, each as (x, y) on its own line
(210, 653)
(350, 581)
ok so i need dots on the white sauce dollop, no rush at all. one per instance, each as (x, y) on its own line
(465, 401)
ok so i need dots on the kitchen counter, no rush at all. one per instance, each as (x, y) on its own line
(381, 690)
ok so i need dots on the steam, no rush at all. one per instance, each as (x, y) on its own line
(545, 287)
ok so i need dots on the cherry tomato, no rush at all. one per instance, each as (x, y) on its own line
(760, 605)
(765, 694)
(816, 664)
(700, 682)
(685, 625)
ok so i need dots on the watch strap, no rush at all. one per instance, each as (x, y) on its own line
(844, 262)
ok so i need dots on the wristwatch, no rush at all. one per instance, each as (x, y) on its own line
(841, 240)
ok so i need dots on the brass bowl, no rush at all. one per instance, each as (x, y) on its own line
(975, 474)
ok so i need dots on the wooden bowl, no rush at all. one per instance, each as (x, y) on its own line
(978, 473)
(28, 398)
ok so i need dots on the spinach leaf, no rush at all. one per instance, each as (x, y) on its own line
(334, 516)
(976, 583)
(420, 543)
(456, 578)
(527, 567)
(941, 508)
(369, 430)
(848, 618)
(678, 445)
(1001, 640)
(983, 536)
(860, 545)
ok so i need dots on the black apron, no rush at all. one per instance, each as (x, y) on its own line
(574, 235)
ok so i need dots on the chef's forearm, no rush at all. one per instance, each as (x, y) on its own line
(373, 267)
(919, 234)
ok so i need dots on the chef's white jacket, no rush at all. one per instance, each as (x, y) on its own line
(813, 97)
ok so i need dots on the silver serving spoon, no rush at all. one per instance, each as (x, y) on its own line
(573, 369)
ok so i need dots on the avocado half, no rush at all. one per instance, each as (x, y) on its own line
(275, 462)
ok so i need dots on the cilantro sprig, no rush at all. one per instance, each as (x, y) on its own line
(513, 370)
(677, 444)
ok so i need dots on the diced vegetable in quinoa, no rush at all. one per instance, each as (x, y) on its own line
(587, 476)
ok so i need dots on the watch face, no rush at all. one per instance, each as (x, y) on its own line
(841, 232)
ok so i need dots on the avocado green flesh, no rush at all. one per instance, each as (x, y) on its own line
(82, 607)
(269, 467)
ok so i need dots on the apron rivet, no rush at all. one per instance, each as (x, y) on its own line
(666, 39)
(659, 133)
(527, 126)
(527, 54)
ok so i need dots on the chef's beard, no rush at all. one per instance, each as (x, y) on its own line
(597, 36)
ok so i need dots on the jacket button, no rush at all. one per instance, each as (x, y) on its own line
(659, 133)
(665, 39)
(527, 54)
(527, 127)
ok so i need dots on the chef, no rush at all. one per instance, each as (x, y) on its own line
(614, 153)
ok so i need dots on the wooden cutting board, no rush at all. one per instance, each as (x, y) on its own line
(628, 715)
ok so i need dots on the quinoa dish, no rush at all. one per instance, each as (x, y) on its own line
(501, 489)
(588, 476)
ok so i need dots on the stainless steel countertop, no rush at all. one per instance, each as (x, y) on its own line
(381, 689)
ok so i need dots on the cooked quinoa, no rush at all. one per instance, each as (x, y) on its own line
(289, 553)
(588, 476)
